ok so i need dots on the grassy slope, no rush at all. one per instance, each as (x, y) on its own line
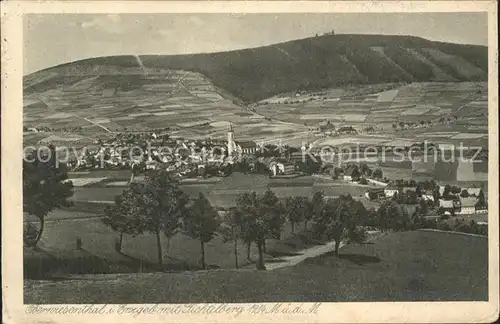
(325, 61)
(406, 266)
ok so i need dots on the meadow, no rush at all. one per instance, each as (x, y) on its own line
(404, 266)
(103, 186)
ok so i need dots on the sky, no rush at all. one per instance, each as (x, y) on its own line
(52, 39)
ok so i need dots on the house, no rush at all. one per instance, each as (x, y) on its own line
(326, 127)
(390, 190)
(346, 130)
(428, 196)
(406, 189)
(281, 168)
(468, 205)
(347, 178)
(375, 193)
(298, 156)
(447, 205)
(246, 147)
(450, 205)
(152, 165)
(201, 170)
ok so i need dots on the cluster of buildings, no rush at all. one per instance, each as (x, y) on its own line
(152, 151)
(464, 201)
(328, 128)
(468, 201)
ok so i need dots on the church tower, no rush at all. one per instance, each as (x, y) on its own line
(230, 141)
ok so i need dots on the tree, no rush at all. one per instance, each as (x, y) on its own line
(447, 192)
(273, 212)
(230, 230)
(464, 193)
(336, 173)
(411, 197)
(162, 203)
(200, 222)
(123, 217)
(261, 217)
(30, 233)
(363, 181)
(317, 202)
(391, 216)
(364, 169)
(423, 207)
(440, 211)
(308, 211)
(309, 166)
(481, 200)
(340, 218)
(377, 174)
(436, 195)
(355, 174)
(45, 186)
(252, 226)
(295, 210)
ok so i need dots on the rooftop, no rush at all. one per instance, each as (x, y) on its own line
(246, 144)
(468, 202)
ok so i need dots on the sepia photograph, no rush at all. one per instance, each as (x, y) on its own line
(226, 158)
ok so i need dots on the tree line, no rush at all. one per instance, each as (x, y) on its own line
(158, 206)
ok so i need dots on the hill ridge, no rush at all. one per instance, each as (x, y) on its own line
(256, 73)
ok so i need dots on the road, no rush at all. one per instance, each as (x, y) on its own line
(312, 252)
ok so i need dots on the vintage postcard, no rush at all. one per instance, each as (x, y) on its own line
(250, 162)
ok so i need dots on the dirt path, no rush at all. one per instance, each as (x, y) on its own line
(312, 252)
(303, 255)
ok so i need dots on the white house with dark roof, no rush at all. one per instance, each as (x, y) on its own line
(468, 205)
(448, 205)
(246, 147)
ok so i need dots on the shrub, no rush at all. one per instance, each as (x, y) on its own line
(443, 226)
(30, 233)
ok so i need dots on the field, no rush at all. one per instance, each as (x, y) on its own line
(404, 266)
(359, 80)
(92, 107)
(222, 192)
(189, 116)
(57, 255)
(83, 221)
(372, 106)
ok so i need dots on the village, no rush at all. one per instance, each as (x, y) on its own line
(346, 165)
